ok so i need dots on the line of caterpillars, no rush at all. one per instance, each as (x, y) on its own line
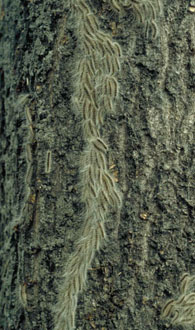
(96, 89)
(29, 196)
(182, 310)
(145, 12)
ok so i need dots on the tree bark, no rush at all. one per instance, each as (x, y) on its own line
(150, 140)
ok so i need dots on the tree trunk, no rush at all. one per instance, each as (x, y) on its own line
(141, 251)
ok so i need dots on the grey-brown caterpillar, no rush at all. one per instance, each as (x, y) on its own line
(48, 161)
(29, 158)
(96, 89)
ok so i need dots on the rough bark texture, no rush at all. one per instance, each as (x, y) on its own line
(151, 242)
